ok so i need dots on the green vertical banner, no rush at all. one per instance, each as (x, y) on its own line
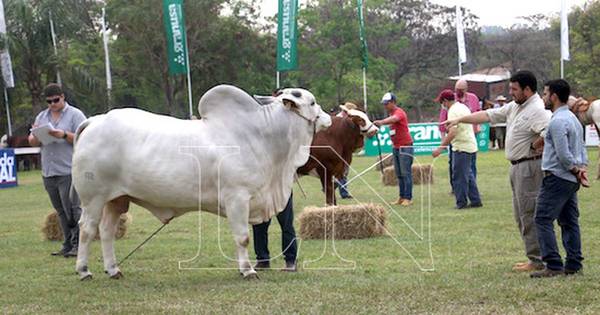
(176, 41)
(363, 36)
(287, 35)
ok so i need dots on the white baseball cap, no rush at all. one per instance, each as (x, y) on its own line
(387, 97)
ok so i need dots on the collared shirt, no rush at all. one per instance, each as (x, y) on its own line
(563, 145)
(464, 141)
(524, 123)
(469, 99)
(57, 156)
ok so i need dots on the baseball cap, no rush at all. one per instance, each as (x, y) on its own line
(445, 95)
(387, 97)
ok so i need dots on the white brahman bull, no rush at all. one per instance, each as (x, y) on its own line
(238, 161)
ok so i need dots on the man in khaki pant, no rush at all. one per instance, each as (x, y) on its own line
(526, 119)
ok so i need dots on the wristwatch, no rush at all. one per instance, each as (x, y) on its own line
(64, 134)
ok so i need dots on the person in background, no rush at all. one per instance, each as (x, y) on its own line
(341, 182)
(564, 164)
(464, 147)
(403, 150)
(526, 120)
(462, 95)
(56, 164)
(500, 131)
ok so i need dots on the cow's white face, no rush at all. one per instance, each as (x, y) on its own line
(304, 103)
(361, 119)
(4, 141)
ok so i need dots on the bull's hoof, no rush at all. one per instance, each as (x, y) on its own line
(251, 276)
(117, 275)
(86, 277)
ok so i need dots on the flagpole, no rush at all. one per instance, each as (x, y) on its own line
(459, 68)
(189, 79)
(562, 68)
(7, 113)
(564, 37)
(365, 88)
(278, 79)
(58, 78)
(106, 60)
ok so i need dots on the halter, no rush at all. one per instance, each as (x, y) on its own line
(313, 122)
(366, 128)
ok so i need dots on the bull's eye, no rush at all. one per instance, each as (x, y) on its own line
(296, 94)
(312, 104)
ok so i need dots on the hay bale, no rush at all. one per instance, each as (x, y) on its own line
(387, 162)
(344, 222)
(422, 174)
(52, 231)
(389, 176)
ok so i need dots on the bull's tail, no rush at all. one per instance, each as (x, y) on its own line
(81, 127)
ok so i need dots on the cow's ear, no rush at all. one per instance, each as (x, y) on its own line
(289, 104)
(358, 121)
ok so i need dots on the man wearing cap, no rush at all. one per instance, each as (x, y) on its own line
(402, 147)
(526, 120)
(56, 164)
(464, 148)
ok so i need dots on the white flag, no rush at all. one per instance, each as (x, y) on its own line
(7, 73)
(106, 55)
(460, 37)
(564, 32)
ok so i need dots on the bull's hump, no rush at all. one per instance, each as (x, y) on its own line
(226, 101)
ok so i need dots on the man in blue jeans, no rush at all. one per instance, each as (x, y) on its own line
(288, 240)
(463, 150)
(564, 164)
(403, 150)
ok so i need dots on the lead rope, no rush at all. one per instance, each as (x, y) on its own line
(142, 244)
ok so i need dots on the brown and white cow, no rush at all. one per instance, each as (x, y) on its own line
(331, 149)
(588, 113)
(25, 162)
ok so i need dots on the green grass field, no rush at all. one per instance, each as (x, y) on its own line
(469, 255)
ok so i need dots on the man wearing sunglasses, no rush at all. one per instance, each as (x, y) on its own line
(56, 163)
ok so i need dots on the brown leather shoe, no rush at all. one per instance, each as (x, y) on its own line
(528, 267)
(397, 202)
(546, 273)
(406, 202)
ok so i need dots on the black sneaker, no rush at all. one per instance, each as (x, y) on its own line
(546, 273)
(61, 252)
(290, 266)
(571, 272)
(475, 205)
(71, 253)
(262, 265)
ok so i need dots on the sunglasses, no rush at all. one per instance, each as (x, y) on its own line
(55, 100)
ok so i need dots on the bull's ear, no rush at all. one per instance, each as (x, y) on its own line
(289, 104)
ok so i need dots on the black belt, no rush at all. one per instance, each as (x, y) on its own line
(547, 173)
(526, 159)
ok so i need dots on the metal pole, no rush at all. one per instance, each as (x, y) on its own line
(7, 113)
(562, 68)
(459, 68)
(189, 77)
(58, 78)
(106, 60)
(278, 79)
(365, 88)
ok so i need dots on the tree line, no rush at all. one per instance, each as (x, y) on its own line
(412, 49)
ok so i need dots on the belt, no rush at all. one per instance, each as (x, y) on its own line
(531, 158)
(547, 173)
